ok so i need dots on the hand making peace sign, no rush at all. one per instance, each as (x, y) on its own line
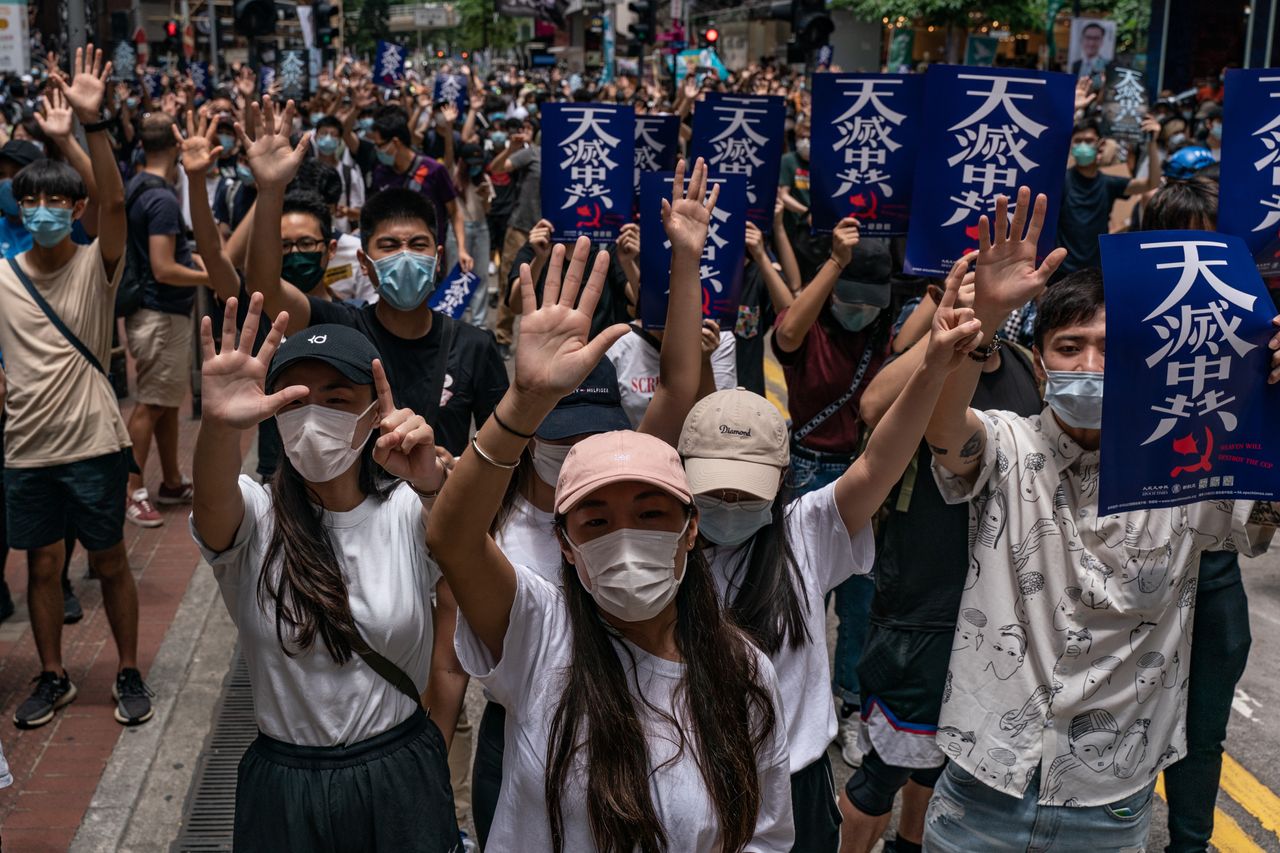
(407, 447)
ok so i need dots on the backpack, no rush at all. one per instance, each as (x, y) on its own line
(137, 266)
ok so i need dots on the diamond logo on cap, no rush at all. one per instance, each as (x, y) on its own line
(317, 339)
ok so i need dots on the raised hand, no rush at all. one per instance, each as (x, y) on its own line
(628, 242)
(956, 331)
(246, 83)
(556, 352)
(1084, 95)
(233, 380)
(448, 116)
(272, 158)
(1007, 275)
(847, 234)
(540, 238)
(55, 116)
(199, 148)
(407, 446)
(688, 215)
(710, 336)
(755, 242)
(88, 83)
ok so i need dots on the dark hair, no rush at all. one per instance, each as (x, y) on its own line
(395, 204)
(1074, 299)
(1088, 27)
(308, 592)
(1183, 204)
(513, 125)
(767, 577)
(1086, 124)
(157, 133)
(391, 122)
(721, 690)
(330, 121)
(318, 178)
(310, 204)
(49, 177)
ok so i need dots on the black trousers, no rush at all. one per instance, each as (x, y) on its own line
(486, 773)
(390, 792)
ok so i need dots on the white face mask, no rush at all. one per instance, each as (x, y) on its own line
(731, 524)
(632, 572)
(547, 460)
(318, 439)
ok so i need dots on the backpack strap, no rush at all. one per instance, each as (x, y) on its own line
(53, 317)
(393, 674)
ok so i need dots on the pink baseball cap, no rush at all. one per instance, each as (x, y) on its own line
(619, 456)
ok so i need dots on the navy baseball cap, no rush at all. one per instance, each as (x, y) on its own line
(341, 347)
(21, 152)
(866, 279)
(595, 406)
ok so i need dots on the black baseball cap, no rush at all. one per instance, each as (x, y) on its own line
(593, 407)
(341, 347)
(866, 279)
(21, 151)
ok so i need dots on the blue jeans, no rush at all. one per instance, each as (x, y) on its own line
(811, 471)
(965, 815)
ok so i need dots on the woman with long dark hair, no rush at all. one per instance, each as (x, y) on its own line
(327, 577)
(639, 718)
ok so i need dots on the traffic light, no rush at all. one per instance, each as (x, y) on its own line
(811, 28)
(255, 17)
(172, 38)
(644, 30)
(710, 36)
(326, 32)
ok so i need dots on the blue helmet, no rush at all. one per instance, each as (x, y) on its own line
(1186, 162)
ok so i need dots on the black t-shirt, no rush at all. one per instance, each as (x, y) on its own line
(755, 317)
(923, 555)
(1085, 213)
(612, 307)
(475, 377)
(157, 211)
(232, 200)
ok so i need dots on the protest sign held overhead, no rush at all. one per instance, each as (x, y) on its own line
(1187, 415)
(388, 65)
(587, 187)
(453, 295)
(1124, 104)
(742, 135)
(657, 144)
(864, 136)
(1249, 200)
(292, 74)
(1004, 129)
(722, 256)
(452, 89)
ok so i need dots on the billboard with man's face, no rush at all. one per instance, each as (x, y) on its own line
(1093, 46)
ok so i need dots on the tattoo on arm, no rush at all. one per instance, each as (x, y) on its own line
(937, 451)
(973, 446)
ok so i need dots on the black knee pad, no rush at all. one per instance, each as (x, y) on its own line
(928, 776)
(873, 786)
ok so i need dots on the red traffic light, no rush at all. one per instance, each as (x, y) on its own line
(439, 54)
(711, 35)
(466, 55)
(171, 29)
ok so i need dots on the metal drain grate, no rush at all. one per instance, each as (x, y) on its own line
(208, 817)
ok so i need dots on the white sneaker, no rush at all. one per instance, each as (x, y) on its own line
(850, 751)
(493, 268)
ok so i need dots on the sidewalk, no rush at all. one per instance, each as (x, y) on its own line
(57, 768)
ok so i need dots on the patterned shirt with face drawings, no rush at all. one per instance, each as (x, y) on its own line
(1072, 651)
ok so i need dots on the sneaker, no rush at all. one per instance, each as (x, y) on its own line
(180, 494)
(850, 725)
(468, 844)
(141, 512)
(133, 698)
(72, 612)
(52, 692)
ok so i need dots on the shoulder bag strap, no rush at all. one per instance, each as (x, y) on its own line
(394, 675)
(835, 406)
(54, 318)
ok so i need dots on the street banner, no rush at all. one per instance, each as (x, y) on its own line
(452, 89)
(291, 72)
(722, 256)
(15, 47)
(1187, 414)
(863, 142)
(1004, 129)
(388, 64)
(981, 50)
(657, 144)
(586, 187)
(453, 295)
(1124, 103)
(742, 135)
(1249, 198)
(200, 78)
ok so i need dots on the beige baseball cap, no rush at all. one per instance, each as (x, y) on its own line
(735, 440)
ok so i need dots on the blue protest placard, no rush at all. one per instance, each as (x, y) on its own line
(388, 64)
(742, 135)
(657, 144)
(1004, 128)
(865, 132)
(451, 89)
(151, 85)
(1187, 414)
(586, 187)
(453, 295)
(1249, 197)
(722, 256)
(266, 78)
(200, 77)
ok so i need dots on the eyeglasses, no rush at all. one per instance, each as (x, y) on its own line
(59, 202)
(305, 244)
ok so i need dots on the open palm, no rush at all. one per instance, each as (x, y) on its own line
(55, 115)
(233, 380)
(88, 83)
(688, 215)
(199, 148)
(272, 157)
(1007, 275)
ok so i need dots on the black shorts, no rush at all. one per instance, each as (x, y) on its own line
(813, 803)
(89, 495)
(390, 792)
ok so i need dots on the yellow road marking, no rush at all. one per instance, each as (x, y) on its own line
(1228, 836)
(1256, 798)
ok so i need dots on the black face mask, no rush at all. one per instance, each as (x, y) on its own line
(302, 269)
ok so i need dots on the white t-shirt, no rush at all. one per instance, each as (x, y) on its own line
(526, 681)
(345, 277)
(308, 699)
(826, 555)
(636, 359)
(527, 539)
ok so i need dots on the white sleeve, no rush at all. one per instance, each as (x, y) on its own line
(775, 823)
(1246, 527)
(724, 362)
(257, 503)
(821, 542)
(538, 624)
(1001, 442)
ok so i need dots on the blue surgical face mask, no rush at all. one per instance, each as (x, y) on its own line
(245, 174)
(499, 138)
(405, 279)
(854, 317)
(365, 124)
(49, 226)
(1075, 396)
(385, 158)
(316, 118)
(1084, 153)
(731, 524)
(8, 204)
(131, 103)
(228, 143)
(1216, 132)
(327, 145)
